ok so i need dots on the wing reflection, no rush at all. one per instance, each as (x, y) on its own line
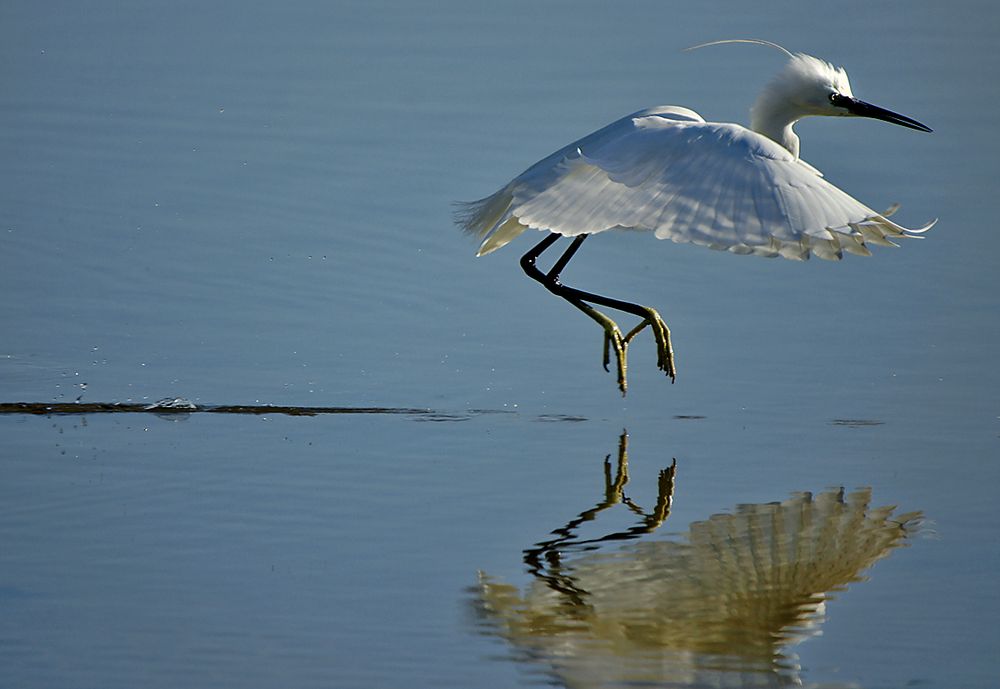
(719, 607)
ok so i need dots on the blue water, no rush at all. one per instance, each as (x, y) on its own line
(250, 203)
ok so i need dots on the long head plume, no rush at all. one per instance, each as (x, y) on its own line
(756, 41)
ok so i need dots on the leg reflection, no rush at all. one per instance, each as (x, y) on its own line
(544, 560)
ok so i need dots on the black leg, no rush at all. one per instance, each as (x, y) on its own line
(578, 298)
(558, 266)
(612, 334)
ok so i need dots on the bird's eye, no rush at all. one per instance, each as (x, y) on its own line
(839, 100)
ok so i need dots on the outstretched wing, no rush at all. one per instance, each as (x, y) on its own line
(668, 171)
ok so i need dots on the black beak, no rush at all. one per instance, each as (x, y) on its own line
(862, 109)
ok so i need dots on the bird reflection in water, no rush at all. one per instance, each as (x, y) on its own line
(717, 608)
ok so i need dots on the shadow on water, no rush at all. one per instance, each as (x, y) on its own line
(719, 606)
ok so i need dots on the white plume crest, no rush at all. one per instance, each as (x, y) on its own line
(754, 41)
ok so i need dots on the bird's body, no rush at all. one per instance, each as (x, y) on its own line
(668, 171)
(724, 186)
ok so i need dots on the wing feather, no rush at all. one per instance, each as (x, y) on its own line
(668, 171)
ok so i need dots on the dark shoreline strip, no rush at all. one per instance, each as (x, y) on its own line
(76, 408)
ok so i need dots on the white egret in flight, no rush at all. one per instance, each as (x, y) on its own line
(720, 185)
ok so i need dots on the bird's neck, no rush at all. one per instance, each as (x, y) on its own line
(774, 120)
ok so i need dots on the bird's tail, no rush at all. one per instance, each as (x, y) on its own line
(489, 219)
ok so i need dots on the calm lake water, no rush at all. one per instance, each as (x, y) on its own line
(250, 203)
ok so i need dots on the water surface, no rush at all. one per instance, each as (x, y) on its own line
(246, 205)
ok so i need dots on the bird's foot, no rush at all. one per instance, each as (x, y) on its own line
(613, 339)
(664, 347)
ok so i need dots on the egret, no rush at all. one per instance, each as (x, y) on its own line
(666, 170)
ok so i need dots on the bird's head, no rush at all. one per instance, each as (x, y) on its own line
(810, 86)
(807, 86)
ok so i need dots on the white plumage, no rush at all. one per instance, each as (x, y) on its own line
(666, 170)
